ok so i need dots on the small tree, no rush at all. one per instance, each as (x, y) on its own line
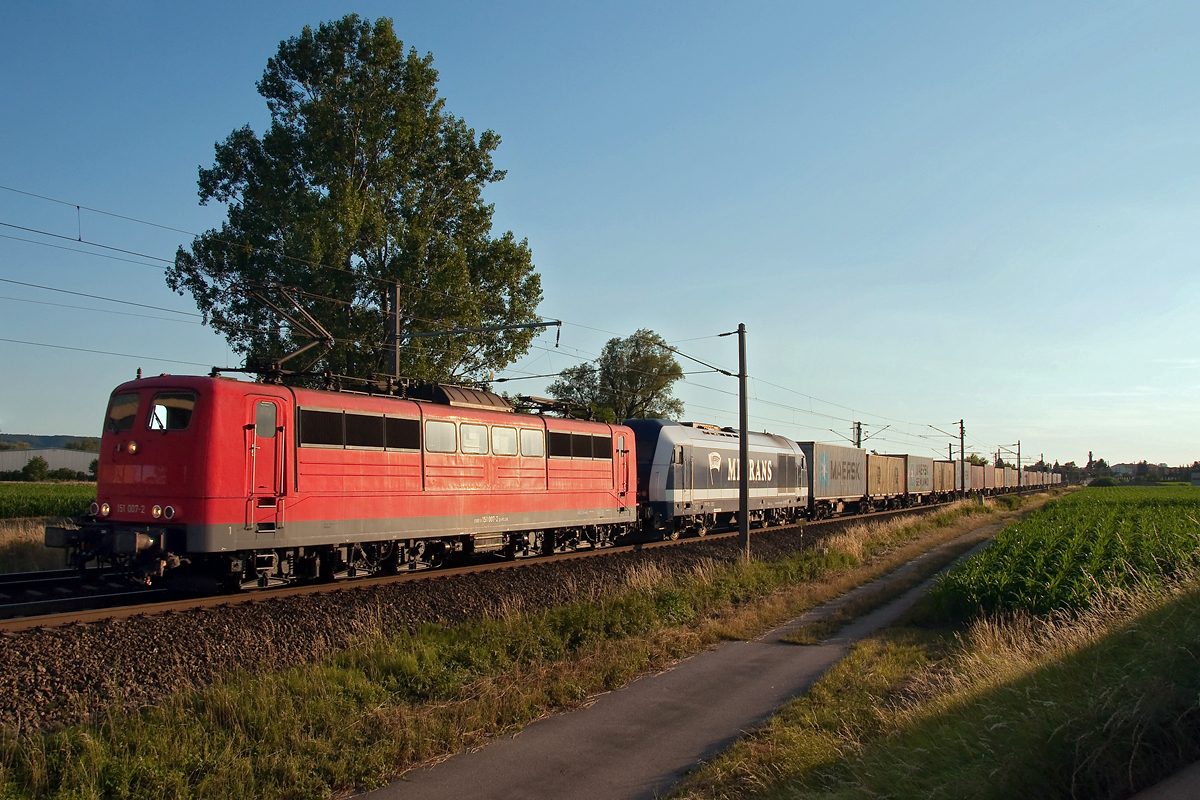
(632, 378)
(36, 469)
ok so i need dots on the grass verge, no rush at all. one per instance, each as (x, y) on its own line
(365, 715)
(1099, 704)
(929, 565)
(1097, 701)
(23, 547)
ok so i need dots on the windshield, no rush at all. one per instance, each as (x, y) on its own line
(122, 410)
(172, 411)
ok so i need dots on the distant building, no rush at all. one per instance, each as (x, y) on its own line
(1196, 479)
(78, 460)
(1124, 470)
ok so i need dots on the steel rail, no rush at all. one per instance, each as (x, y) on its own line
(94, 608)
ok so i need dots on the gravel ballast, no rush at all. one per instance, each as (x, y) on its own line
(50, 677)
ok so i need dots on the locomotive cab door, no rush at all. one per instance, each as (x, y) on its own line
(682, 460)
(265, 451)
(622, 473)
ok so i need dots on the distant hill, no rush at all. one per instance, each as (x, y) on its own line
(39, 442)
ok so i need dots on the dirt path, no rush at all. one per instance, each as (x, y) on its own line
(637, 742)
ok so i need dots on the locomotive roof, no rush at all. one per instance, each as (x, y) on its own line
(705, 435)
(448, 398)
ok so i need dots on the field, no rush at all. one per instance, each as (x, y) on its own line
(1077, 548)
(45, 499)
(1058, 663)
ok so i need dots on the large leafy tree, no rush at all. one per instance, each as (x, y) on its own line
(632, 378)
(363, 179)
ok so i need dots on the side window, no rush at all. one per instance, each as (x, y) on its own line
(322, 428)
(533, 445)
(581, 445)
(560, 445)
(504, 441)
(439, 436)
(264, 420)
(172, 411)
(364, 430)
(403, 434)
(602, 447)
(474, 438)
(122, 411)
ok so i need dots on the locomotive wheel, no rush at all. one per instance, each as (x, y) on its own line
(670, 534)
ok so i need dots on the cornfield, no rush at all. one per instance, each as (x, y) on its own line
(1077, 548)
(45, 499)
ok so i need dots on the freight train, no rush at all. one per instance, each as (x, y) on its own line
(236, 484)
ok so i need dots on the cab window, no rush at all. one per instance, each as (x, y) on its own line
(122, 411)
(172, 411)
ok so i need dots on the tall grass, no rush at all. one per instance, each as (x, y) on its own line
(361, 716)
(1094, 704)
(23, 548)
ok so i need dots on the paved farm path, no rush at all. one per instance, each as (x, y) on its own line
(638, 742)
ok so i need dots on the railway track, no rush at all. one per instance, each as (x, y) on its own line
(64, 597)
(61, 591)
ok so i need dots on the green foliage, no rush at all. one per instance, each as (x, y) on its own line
(1102, 712)
(362, 179)
(1078, 547)
(632, 378)
(36, 469)
(44, 500)
(1103, 482)
(353, 719)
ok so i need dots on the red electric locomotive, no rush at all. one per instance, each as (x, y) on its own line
(250, 483)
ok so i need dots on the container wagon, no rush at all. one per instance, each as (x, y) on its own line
(837, 478)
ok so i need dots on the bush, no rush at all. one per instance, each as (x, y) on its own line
(36, 469)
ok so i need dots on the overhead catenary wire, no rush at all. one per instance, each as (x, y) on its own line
(108, 353)
(359, 274)
(98, 297)
(101, 310)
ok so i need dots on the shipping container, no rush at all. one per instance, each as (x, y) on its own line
(989, 477)
(977, 475)
(917, 473)
(944, 473)
(835, 472)
(885, 476)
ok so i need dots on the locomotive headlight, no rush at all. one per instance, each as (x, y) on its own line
(169, 512)
(156, 512)
(94, 508)
(104, 509)
(131, 448)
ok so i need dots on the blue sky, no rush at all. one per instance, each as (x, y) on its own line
(922, 212)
